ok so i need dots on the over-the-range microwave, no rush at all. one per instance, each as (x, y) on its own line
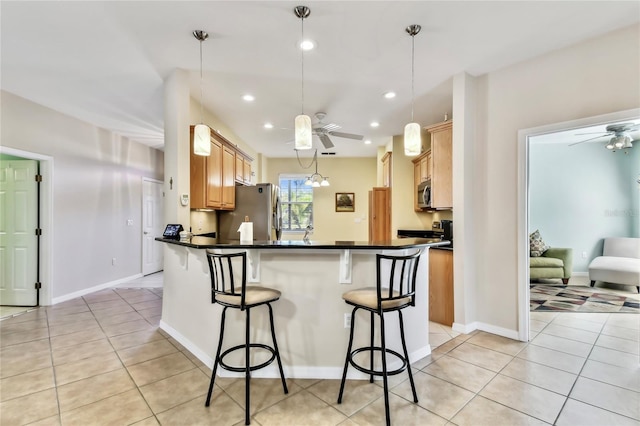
(424, 194)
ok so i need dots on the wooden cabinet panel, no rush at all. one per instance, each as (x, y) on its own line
(441, 174)
(228, 179)
(441, 286)
(239, 168)
(380, 214)
(214, 175)
(247, 172)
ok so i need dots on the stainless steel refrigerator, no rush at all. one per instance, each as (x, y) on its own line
(261, 204)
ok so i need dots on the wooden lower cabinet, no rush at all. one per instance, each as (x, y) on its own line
(441, 286)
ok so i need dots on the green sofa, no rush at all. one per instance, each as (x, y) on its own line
(555, 262)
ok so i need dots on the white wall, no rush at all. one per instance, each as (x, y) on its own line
(585, 80)
(579, 195)
(97, 187)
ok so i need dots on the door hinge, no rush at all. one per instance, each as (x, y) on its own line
(38, 178)
(38, 286)
(39, 232)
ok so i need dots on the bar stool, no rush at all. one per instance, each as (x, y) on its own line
(395, 290)
(231, 292)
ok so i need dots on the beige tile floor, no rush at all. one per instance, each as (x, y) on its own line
(101, 359)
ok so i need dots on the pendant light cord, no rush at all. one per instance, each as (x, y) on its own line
(413, 38)
(302, 60)
(201, 113)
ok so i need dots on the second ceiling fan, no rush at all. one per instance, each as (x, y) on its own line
(324, 130)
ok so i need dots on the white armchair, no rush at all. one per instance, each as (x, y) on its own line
(619, 263)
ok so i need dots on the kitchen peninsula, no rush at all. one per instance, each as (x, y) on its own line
(310, 316)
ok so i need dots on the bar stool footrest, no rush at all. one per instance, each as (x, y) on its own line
(377, 349)
(251, 367)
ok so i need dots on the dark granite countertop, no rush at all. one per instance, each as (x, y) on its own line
(399, 244)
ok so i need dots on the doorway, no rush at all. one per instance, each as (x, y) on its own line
(152, 225)
(45, 164)
(19, 233)
(524, 140)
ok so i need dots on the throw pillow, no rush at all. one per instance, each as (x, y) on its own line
(536, 245)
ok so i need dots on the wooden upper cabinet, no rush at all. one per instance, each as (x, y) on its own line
(239, 168)
(442, 165)
(247, 172)
(386, 170)
(228, 179)
(214, 175)
(213, 178)
(243, 169)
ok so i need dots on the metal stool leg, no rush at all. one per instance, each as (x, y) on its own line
(372, 340)
(384, 369)
(275, 348)
(215, 362)
(406, 357)
(247, 366)
(348, 356)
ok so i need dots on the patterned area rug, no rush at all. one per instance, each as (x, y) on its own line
(573, 298)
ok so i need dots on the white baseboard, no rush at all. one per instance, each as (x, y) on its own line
(468, 328)
(464, 328)
(93, 289)
(579, 274)
(300, 372)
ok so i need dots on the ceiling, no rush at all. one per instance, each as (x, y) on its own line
(105, 62)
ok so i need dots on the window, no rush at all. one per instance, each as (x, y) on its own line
(296, 199)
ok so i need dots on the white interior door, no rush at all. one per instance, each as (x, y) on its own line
(152, 226)
(18, 240)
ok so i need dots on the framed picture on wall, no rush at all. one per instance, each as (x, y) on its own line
(345, 202)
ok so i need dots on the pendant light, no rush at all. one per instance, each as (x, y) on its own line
(201, 132)
(412, 141)
(302, 124)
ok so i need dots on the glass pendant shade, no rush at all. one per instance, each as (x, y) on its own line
(202, 140)
(412, 142)
(609, 145)
(303, 132)
(324, 182)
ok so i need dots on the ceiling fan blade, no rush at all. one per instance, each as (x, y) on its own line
(587, 140)
(326, 141)
(347, 135)
(594, 133)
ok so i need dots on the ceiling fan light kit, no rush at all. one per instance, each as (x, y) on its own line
(302, 123)
(201, 132)
(412, 140)
(620, 139)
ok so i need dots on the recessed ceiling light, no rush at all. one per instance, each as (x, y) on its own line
(390, 95)
(375, 124)
(249, 98)
(268, 126)
(307, 44)
(367, 142)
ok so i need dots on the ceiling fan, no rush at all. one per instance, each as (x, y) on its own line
(621, 139)
(324, 130)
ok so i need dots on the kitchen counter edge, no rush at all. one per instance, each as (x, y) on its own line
(398, 244)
